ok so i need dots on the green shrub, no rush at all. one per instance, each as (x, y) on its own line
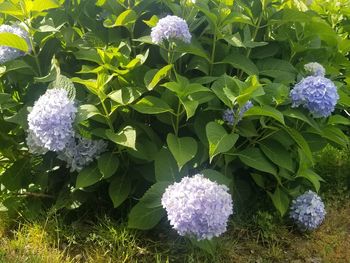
(160, 107)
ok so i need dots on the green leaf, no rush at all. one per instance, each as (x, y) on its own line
(14, 176)
(190, 107)
(336, 135)
(126, 137)
(265, 111)
(258, 179)
(151, 105)
(14, 41)
(39, 5)
(126, 95)
(152, 198)
(226, 89)
(254, 158)
(165, 167)
(277, 154)
(194, 48)
(88, 176)
(183, 149)
(299, 139)
(280, 200)
(313, 177)
(338, 119)
(108, 164)
(126, 19)
(143, 218)
(85, 112)
(119, 190)
(219, 140)
(217, 177)
(297, 114)
(240, 61)
(148, 211)
(281, 70)
(161, 74)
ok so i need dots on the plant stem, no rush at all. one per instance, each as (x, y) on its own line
(110, 124)
(177, 120)
(212, 57)
(249, 50)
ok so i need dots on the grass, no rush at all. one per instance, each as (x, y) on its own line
(259, 238)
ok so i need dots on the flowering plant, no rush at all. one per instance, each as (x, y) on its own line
(118, 103)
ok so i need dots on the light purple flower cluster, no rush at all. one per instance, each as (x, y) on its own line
(8, 53)
(80, 152)
(197, 207)
(171, 27)
(317, 94)
(229, 115)
(50, 123)
(308, 211)
(315, 69)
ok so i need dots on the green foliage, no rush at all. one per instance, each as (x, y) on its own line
(160, 107)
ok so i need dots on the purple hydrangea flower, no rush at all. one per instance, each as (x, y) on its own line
(308, 211)
(34, 143)
(171, 27)
(8, 53)
(229, 115)
(318, 94)
(51, 120)
(197, 207)
(80, 152)
(315, 69)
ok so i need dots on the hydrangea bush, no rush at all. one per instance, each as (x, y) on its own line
(122, 104)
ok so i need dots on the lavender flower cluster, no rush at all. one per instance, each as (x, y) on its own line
(81, 151)
(8, 53)
(229, 115)
(51, 120)
(308, 211)
(50, 128)
(317, 94)
(171, 27)
(197, 207)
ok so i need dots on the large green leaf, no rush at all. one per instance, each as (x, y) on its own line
(166, 168)
(183, 149)
(86, 111)
(277, 154)
(151, 105)
(126, 19)
(240, 61)
(148, 211)
(254, 158)
(126, 95)
(219, 140)
(39, 5)
(108, 164)
(119, 190)
(88, 176)
(265, 111)
(313, 177)
(280, 200)
(126, 137)
(14, 41)
(158, 76)
(299, 139)
(142, 217)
